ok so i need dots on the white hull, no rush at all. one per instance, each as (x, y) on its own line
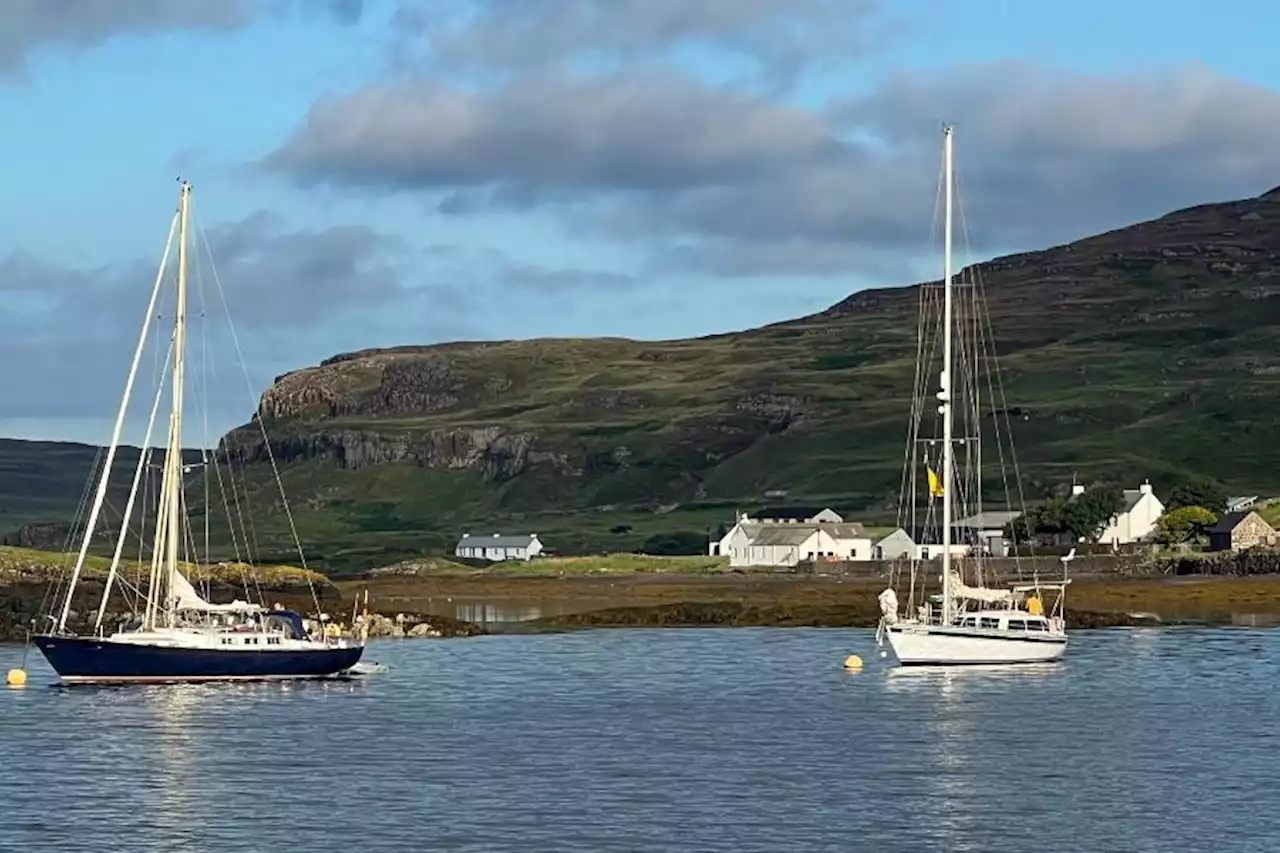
(920, 645)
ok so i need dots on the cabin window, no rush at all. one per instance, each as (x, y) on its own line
(989, 623)
(969, 622)
(1036, 626)
(1017, 625)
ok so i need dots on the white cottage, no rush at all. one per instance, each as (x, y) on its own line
(498, 547)
(785, 543)
(1136, 520)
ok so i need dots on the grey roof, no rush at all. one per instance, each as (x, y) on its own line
(1131, 498)
(842, 529)
(497, 540)
(784, 534)
(801, 531)
(987, 519)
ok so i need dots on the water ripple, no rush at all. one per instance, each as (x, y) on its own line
(666, 740)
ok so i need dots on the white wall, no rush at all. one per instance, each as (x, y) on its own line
(1133, 525)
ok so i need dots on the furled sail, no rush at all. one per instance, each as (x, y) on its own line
(889, 606)
(960, 589)
(185, 597)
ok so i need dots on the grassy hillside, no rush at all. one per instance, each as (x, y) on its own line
(1153, 351)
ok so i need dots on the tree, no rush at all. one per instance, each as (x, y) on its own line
(1071, 519)
(1201, 492)
(1089, 514)
(675, 543)
(1184, 524)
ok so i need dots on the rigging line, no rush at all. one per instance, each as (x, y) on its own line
(53, 592)
(906, 512)
(266, 441)
(994, 368)
(231, 528)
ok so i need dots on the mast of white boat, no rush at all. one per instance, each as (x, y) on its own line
(944, 392)
(100, 496)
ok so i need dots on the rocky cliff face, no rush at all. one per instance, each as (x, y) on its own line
(497, 454)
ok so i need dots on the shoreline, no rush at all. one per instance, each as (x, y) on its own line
(456, 604)
(605, 600)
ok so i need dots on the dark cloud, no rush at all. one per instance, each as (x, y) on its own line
(546, 136)
(738, 180)
(281, 279)
(26, 25)
(779, 38)
(294, 296)
(1047, 156)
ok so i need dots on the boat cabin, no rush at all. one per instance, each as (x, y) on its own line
(1003, 620)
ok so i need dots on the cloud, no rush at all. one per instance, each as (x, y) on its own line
(292, 279)
(79, 24)
(551, 135)
(777, 38)
(1047, 155)
(736, 179)
(293, 294)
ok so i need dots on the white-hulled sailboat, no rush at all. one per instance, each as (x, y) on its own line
(965, 624)
(179, 636)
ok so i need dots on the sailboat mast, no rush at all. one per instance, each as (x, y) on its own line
(944, 394)
(173, 456)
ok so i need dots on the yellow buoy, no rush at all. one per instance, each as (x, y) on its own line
(16, 677)
(853, 662)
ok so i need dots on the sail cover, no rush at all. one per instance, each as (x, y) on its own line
(186, 598)
(960, 589)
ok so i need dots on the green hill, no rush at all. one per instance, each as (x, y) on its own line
(1152, 351)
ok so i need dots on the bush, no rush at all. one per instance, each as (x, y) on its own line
(681, 542)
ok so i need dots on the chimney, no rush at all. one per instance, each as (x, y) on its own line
(466, 535)
(1077, 489)
(1145, 488)
(496, 535)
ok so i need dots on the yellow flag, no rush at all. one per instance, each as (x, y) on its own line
(935, 484)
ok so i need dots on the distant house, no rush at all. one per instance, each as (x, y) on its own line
(797, 514)
(498, 547)
(986, 530)
(1237, 531)
(1136, 519)
(1241, 503)
(776, 542)
(894, 546)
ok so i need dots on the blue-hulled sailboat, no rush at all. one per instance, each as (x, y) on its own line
(179, 635)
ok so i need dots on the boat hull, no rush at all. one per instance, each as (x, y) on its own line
(919, 645)
(101, 661)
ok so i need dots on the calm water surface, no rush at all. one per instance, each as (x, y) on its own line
(666, 740)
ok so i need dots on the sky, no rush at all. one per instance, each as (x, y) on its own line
(372, 173)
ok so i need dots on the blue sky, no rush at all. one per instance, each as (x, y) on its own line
(393, 172)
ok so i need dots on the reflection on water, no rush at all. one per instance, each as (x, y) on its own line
(496, 611)
(667, 740)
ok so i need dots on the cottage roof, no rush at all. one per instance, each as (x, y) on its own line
(779, 534)
(1230, 521)
(1131, 499)
(987, 519)
(842, 529)
(497, 540)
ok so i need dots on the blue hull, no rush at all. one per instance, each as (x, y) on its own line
(90, 659)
